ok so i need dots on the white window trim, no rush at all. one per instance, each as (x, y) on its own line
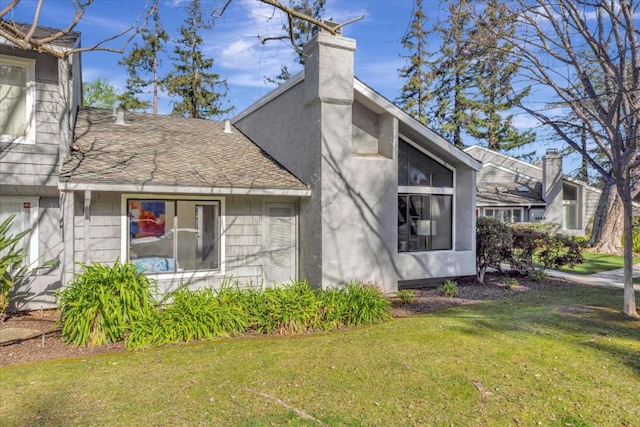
(410, 189)
(484, 212)
(34, 213)
(30, 65)
(178, 276)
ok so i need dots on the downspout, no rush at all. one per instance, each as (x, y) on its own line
(87, 227)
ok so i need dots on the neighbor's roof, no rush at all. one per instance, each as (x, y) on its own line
(67, 40)
(509, 194)
(160, 153)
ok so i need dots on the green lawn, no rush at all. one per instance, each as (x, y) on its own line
(555, 358)
(597, 263)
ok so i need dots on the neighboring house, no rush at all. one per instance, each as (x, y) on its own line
(38, 98)
(515, 191)
(323, 179)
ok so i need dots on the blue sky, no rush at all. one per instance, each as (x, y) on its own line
(234, 43)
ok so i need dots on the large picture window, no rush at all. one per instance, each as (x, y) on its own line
(425, 202)
(17, 87)
(166, 236)
(570, 207)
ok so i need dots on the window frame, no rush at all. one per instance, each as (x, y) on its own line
(30, 90)
(416, 190)
(176, 275)
(512, 209)
(34, 214)
(571, 202)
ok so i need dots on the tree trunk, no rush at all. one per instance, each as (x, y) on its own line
(629, 307)
(608, 223)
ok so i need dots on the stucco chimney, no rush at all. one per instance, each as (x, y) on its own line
(552, 185)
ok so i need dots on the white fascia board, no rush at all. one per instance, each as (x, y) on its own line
(269, 96)
(166, 189)
(414, 125)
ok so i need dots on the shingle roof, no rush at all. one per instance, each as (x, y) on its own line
(65, 40)
(508, 194)
(168, 150)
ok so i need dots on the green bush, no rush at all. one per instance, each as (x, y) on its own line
(510, 282)
(366, 304)
(100, 304)
(13, 268)
(493, 245)
(551, 250)
(450, 288)
(406, 296)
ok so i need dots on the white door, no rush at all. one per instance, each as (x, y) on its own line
(280, 243)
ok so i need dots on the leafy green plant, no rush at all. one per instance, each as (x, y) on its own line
(405, 296)
(102, 302)
(537, 275)
(493, 245)
(366, 304)
(13, 268)
(510, 282)
(450, 288)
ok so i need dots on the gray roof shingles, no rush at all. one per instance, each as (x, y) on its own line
(507, 194)
(168, 150)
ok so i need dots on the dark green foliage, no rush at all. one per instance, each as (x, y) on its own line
(523, 245)
(416, 74)
(142, 64)
(101, 303)
(292, 309)
(199, 90)
(450, 288)
(13, 268)
(493, 245)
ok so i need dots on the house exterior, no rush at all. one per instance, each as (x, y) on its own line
(516, 191)
(391, 201)
(323, 179)
(38, 97)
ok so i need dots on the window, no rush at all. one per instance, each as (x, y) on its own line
(570, 207)
(506, 215)
(425, 202)
(17, 100)
(166, 236)
(26, 217)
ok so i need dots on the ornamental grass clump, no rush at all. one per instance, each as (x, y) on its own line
(102, 302)
(366, 304)
(289, 309)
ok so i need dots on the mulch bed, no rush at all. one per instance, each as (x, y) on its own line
(50, 346)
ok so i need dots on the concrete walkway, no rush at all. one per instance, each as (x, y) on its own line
(611, 278)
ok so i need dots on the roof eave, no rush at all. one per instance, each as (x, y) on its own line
(170, 189)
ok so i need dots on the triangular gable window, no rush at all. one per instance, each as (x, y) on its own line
(417, 169)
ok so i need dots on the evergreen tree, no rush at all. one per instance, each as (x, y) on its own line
(199, 90)
(416, 94)
(453, 72)
(493, 94)
(142, 65)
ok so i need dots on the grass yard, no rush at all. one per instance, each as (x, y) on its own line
(554, 358)
(597, 263)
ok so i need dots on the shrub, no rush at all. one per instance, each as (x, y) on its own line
(493, 245)
(450, 289)
(99, 305)
(510, 282)
(13, 268)
(366, 304)
(286, 309)
(538, 275)
(406, 296)
(551, 250)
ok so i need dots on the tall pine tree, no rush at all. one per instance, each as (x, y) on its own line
(452, 69)
(494, 96)
(199, 90)
(416, 91)
(142, 65)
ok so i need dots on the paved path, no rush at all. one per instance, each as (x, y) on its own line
(611, 278)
